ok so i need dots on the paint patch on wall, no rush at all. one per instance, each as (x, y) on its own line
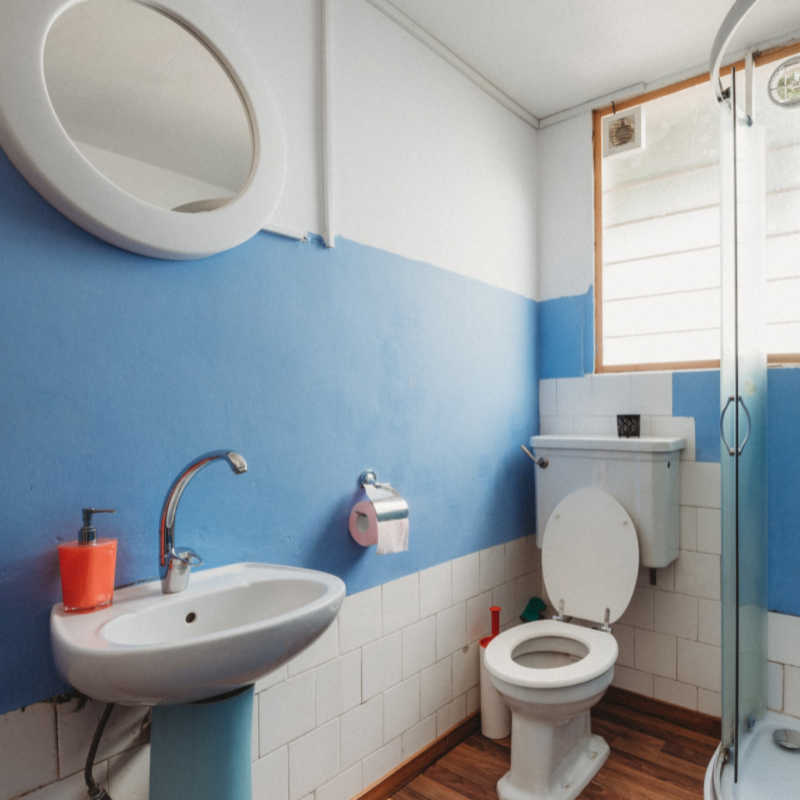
(696, 394)
(566, 336)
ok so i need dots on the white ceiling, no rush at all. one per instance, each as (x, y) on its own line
(550, 55)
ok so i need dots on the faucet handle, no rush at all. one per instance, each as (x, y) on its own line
(187, 557)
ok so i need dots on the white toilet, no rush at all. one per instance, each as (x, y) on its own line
(551, 672)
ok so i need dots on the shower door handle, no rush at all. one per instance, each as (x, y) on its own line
(749, 426)
(731, 451)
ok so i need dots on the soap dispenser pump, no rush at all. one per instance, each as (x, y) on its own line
(88, 567)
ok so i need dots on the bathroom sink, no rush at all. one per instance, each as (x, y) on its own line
(229, 627)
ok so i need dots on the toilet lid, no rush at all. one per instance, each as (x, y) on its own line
(590, 556)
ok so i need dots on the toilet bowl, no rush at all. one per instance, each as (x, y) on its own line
(551, 672)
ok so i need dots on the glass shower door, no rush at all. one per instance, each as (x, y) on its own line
(743, 394)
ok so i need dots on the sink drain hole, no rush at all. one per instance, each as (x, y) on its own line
(191, 616)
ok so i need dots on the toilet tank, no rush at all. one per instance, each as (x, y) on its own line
(643, 474)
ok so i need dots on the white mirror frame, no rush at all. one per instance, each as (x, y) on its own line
(37, 144)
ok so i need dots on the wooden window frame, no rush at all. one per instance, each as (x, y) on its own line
(759, 58)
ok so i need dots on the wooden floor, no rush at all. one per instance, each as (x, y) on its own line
(658, 752)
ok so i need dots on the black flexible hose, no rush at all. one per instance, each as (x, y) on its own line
(96, 792)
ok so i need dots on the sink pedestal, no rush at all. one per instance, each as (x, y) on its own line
(202, 750)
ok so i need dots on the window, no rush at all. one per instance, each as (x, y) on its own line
(657, 230)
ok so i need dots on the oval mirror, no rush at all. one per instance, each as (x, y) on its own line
(148, 104)
(144, 121)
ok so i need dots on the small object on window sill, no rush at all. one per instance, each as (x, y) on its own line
(628, 426)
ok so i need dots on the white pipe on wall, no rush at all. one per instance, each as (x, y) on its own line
(326, 66)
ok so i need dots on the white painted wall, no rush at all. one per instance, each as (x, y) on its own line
(565, 220)
(426, 165)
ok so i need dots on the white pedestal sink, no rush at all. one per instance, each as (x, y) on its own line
(230, 626)
(227, 628)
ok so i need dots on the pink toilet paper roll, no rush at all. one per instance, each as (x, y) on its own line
(363, 523)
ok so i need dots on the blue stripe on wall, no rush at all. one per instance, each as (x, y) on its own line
(696, 394)
(566, 336)
(314, 363)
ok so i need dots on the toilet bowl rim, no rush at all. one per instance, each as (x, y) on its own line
(601, 647)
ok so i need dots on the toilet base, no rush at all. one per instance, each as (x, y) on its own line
(561, 776)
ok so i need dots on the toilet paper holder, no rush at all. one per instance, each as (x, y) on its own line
(387, 502)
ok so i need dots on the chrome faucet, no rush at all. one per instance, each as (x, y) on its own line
(175, 565)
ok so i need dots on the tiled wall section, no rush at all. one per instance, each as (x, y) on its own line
(397, 668)
(669, 638)
(783, 668)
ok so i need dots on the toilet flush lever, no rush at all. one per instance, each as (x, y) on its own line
(542, 462)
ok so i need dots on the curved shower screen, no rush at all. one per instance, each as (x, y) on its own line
(733, 19)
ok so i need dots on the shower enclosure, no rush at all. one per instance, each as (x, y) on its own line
(747, 764)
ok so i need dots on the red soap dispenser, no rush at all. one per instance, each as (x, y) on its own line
(88, 567)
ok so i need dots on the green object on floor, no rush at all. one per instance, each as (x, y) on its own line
(533, 610)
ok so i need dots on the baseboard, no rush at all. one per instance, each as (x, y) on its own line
(679, 715)
(414, 765)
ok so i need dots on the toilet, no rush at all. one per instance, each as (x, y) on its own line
(551, 672)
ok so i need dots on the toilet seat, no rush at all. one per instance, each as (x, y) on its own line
(602, 651)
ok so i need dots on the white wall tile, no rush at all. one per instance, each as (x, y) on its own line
(451, 630)
(450, 715)
(518, 559)
(324, 648)
(287, 711)
(710, 621)
(633, 680)
(700, 484)
(675, 614)
(271, 776)
(699, 664)
(639, 613)
(479, 623)
(465, 577)
(270, 679)
(473, 700)
(419, 736)
(774, 686)
(436, 588)
(665, 578)
(382, 665)
(419, 646)
(783, 638)
(682, 427)
(688, 528)
(338, 686)
(382, 761)
(76, 727)
(655, 653)
(697, 574)
(710, 702)
(608, 395)
(651, 393)
(436, 686)
(361, 731)
(624, 636)
(679, 694)
(595, 426)
(505, 597)
(400, 708)
(573, 395)
(547, 396)
(27, 749)
(72, 788)
(344, 786)
(559, 424)
(400, 602)
(313, 759)
(466, 668)
(360, 619)
(709, 527)
(129, 774)
(791, 690)
(492, 567)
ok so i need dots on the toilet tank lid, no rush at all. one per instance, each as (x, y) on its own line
(643, 444)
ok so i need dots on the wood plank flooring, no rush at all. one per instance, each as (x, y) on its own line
(658, 752)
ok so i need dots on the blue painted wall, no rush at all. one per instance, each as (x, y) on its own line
(117, 370)
(566, 336)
